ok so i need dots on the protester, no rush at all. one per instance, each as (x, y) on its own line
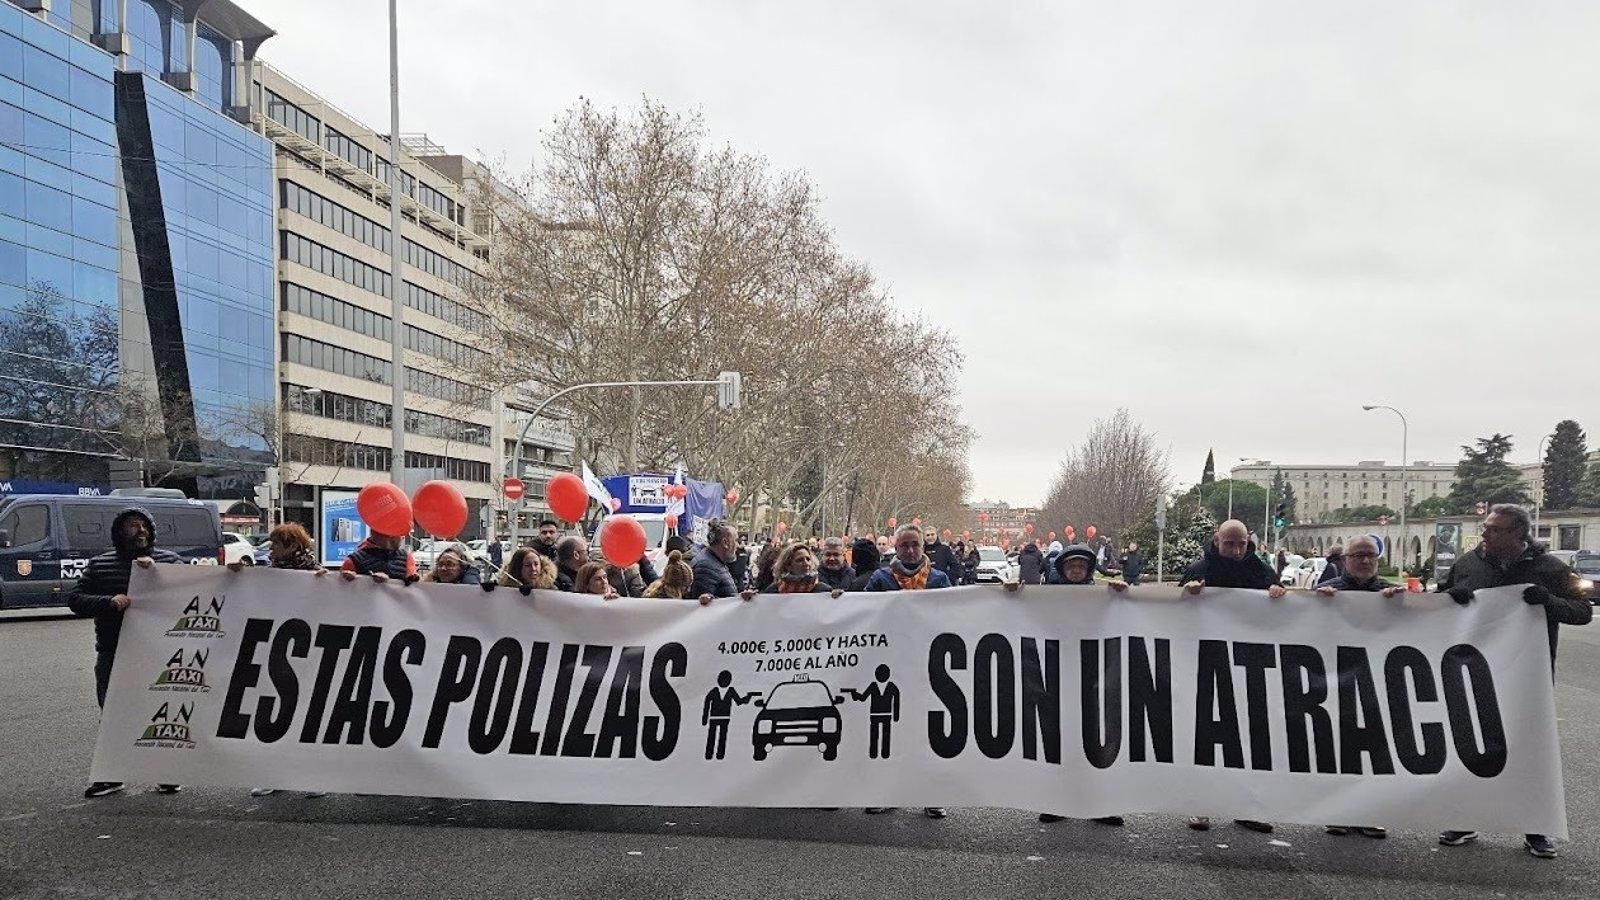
(497, 553)
(289, 546)
(549, 535)
(1230, 561)
(571, 554)
(885, 550)
(711, 576)
(942, 557)
(865, 559)
(970, 563)
(451, 567)
(383, 557)
(1361, 574)
(1335, 565)
(591, 579)
(795, 572)
(628, 581)
(762, 576)
(739, 568)
(1050, 556)
(1509, 555)
(676, 578)
(834, 571)
(1030, 565)
(529, 568)
(1280, 562)
(911, 570)
(102, 592)
(1132, 564)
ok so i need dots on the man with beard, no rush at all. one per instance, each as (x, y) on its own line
(102, 592)
(545, 543)
(1230, 561)
(834, 571)
(911, 570)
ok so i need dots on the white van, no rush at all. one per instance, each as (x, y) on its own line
(655, 537)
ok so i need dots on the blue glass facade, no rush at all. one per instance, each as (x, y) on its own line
(176, 297)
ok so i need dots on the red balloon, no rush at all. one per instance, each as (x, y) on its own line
(672, 520)
(385, 509)
(622, 540)
(1053, 536)
(966, 535)
(893, 521)
(616, 504)
(1091, 531)
(732, 497)
(781, 527)
(984, 518)
(1071, 534)
(1028, 528)
(567, 496)
(947, 533)
(440, 509)
(917, 521)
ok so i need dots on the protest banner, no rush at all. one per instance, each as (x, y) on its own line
(1409, 711)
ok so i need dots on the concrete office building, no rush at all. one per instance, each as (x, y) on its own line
(1321, 489)
(136, 295)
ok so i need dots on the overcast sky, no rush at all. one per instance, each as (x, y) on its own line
(1241, 220)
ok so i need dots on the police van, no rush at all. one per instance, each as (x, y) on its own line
(46, 540)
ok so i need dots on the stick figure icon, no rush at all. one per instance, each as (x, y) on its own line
(883, 700)
(718, 709)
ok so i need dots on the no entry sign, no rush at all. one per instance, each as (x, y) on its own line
(513, 488)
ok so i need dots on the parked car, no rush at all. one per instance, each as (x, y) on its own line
(237, 548)
(994, 566)
(46, 540)
(428, 550)
(1587, 566)
(1304, 575)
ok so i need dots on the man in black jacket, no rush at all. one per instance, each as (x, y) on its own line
(549, 534)
(834, 571)
(1509, 555)
(1132, 564)
(1230, 561)
(943, 558)
(102, 592)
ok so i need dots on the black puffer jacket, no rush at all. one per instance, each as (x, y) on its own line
(944, 559)
(370, 558)
(1217, 570)
(1477, 570)
(107, 576)
(1030, 565)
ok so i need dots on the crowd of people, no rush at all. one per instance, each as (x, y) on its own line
(910, 559)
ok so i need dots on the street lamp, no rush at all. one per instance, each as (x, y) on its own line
(1230, 485)
(1539, 506)
(1405, 436)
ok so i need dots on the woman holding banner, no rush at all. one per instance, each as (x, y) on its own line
(795, 572)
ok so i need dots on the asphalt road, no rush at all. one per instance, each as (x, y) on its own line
(221, 843)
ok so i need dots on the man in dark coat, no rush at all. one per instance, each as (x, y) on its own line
(1230, 561)
(1509, 555)
(944, 558)
(833, 570)
(102, 592)
(1132, 564)
(865, 558)
(549, 536)
(711, 576)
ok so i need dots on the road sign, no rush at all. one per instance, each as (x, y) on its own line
(1161, 511)
(513, 488)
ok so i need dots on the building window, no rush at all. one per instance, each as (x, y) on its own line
(339, 360)
(450, 467)
(320, 451)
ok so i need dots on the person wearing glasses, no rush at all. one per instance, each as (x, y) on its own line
(1508, 554)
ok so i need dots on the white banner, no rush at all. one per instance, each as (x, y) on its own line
(1411, 712)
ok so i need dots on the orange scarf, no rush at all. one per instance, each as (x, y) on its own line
(785, 586)
(914, 582)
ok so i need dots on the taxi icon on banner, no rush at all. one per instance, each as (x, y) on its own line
(801, 712)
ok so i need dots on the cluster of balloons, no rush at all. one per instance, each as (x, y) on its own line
(438, 507)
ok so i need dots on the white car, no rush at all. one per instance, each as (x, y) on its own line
(429, 550)
(1304, 575)
(236, 548)
(994, 566)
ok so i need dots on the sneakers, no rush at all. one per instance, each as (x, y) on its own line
(1371, 831)
(1051, 817)
(1539, 846)
(1337, 830)
(102, 789)
(935, 812)
(1253, 825)
(1113, 821)
(1200, 823)
(168, 788)
(1457, 838)
(263, 792)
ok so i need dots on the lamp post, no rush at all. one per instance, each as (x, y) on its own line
(397, 301)
(729, 386)
(1405, 436)
(1538, 507)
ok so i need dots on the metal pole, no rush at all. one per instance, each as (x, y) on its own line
(514, 464)
(1405, 440)
(1230, 493)
(1539, 506)
(397, 303)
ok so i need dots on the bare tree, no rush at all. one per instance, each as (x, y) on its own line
(1109, 480)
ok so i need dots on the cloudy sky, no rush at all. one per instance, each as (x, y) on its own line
(1241, 220)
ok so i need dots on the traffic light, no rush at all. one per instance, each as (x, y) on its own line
(1278, 519)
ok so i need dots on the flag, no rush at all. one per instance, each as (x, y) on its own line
(597, 489)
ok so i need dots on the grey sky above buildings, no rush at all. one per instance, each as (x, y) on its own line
(1241, 220)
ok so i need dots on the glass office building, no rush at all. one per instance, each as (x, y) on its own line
(136, 249)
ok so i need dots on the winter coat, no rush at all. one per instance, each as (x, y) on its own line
(1477, 570)
(711, 576)
(1132, 566)
(740, 567)
(821, 587)
(1348, 583)
(548, 551)
(1031, 565)
(469, 575)
(1058, 574)
(1217, 570)
(883, 580)
(106, 576)
(369, 558)
(840, 578)
(944, 558)
(627, 581)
